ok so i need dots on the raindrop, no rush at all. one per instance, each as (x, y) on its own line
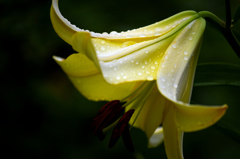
(163, 65)
(137, 63)
(190, 38)
(141, 35)
(194, 32)
(185, 52)
(118, 77)
(143, 66)
(103, 41)
(139, 73)
(124, 77)
(102, 48)
(175, 85)
(115, 69)
(163, 79)
(175, 65)
(185, 58)
(146, 62)
(158, 29)
(166, 57)
(113, 32)
(150, 77)
(146, 52)
(147, 72)
(152, 67)
(174, 46)
(156, 62)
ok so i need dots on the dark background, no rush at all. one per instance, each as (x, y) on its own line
(43, 115)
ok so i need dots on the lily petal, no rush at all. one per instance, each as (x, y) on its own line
(172, 136)
(89, 81)
(157, 138)
(150, 115)
(61, 25)
(179, 67)
(66, 30)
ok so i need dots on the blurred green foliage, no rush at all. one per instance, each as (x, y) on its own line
(43, 114)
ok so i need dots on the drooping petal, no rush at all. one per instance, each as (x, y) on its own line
(150, 115)
(61, 25)
(196, 117)
(157, 138)
(89, 81)
(65, 29)
(176, 76)
(172, 136)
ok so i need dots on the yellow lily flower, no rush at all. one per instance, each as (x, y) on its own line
(151, 69)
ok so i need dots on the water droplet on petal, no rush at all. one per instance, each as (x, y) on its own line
(139, 73)
(163, 79)
(152, 67)
(141, 35)
(190, 38)
(103, 41)
(185, 58)
(113, 32)
(146, 52)
(102, 48)
(194, 32)
(158, 29)
(118, 77)
(150, 78)
(175, 85)
(185, 52)
(174, 46)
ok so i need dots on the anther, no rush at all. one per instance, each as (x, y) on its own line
(106, 116)
(122, 129)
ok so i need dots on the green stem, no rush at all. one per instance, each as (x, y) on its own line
(208, 15)
(222, 27)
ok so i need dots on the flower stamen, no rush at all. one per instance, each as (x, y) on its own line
(122, 129)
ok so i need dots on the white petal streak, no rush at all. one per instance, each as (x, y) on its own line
(177, 59)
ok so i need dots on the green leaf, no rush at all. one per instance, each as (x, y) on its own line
(237, 15)
(228, 130)
(217, 74)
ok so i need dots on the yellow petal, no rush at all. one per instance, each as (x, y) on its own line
(77, 65)
(172, 136)
(196, 117)
(157, 138)
(94, 87)
(89, 81)
(151, 114)
(174, 71)
(140, 63)
(62, 27)
(81, 42)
